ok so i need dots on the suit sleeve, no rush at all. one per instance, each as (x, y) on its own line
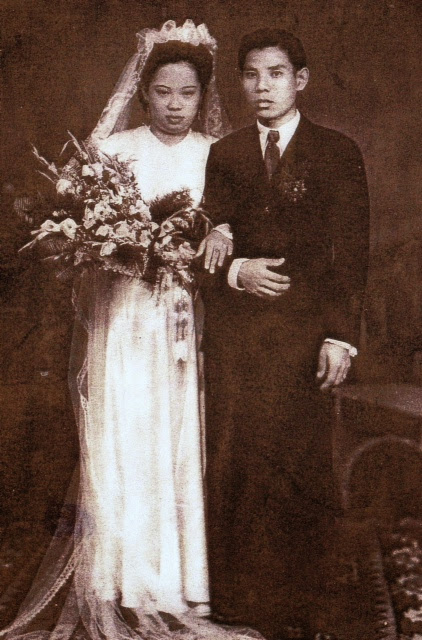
(349, 224)
(218, 203)
(218, 188)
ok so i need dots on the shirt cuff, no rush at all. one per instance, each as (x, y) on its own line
(352, 350)
(234, 272)
(225, 230)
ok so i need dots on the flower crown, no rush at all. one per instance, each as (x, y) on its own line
(188, 32)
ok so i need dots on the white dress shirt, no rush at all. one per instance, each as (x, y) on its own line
(286, 131)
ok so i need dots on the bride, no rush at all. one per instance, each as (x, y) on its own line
(136, 564)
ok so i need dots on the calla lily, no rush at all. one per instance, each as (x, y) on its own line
(69, 227)
(64, 187)
(108, 248)
(49, 226)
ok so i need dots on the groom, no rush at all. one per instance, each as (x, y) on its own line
(282, 323)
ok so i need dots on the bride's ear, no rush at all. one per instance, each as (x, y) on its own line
(143, 99)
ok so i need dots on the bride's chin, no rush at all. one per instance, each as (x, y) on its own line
(170, 132)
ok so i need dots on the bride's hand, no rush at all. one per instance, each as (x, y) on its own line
(216, 247)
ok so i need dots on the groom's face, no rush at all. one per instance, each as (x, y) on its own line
(271, 83)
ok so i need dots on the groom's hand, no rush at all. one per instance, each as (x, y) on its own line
(256, 278)
(333, 365)
(216, 247)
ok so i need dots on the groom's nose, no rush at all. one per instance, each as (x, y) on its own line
(262, 83)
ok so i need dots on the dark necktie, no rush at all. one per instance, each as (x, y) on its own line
(272, 152)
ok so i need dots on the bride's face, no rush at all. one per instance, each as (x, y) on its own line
(173, 98)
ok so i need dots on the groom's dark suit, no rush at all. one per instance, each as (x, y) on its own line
(268, 446)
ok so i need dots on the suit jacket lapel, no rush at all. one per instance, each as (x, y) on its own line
(254, 157)
(296, 149)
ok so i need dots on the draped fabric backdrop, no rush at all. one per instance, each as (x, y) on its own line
(59, 61)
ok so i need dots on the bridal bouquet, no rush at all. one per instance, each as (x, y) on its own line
(104, 222)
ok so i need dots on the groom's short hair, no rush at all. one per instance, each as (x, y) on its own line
(263, 38)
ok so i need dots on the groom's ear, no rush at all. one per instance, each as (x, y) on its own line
(302, 78)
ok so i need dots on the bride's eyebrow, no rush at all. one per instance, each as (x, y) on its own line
(165, 86)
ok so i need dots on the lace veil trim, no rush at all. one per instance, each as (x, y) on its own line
(115, 116)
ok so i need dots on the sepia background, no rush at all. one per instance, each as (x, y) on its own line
(59, 62)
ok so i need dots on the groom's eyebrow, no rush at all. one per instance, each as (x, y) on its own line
(273, 68)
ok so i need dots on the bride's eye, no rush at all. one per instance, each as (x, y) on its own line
(161, 91)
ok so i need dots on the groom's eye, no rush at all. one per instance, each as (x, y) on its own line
(249, 74)
(276, 74)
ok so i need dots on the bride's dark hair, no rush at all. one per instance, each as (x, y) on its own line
(176, 51)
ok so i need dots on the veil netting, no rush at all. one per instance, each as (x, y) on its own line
(66, 566)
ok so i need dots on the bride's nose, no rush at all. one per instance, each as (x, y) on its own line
(175, 103)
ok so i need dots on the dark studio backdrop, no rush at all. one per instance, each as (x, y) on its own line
(59, 62)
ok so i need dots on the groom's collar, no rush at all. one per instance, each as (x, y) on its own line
(286, 130)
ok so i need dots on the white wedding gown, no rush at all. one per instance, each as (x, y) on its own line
(143, 445)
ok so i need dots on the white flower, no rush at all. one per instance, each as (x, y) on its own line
(87, 170)
(143, 208)
(186, 251)
(102, 210)
(64, 187)
(108, 248)
(116, 199)
(166, 227)
(123, 230)
(89, 219)
(165, 241)
(98, 169)
(69, 227)
(104, 230)
(144, 238)
(49, 226)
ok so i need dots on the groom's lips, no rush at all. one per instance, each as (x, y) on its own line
(264, 103)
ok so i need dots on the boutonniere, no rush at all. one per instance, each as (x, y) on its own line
(293, 181)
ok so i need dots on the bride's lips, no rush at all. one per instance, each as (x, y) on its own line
(174, 119)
